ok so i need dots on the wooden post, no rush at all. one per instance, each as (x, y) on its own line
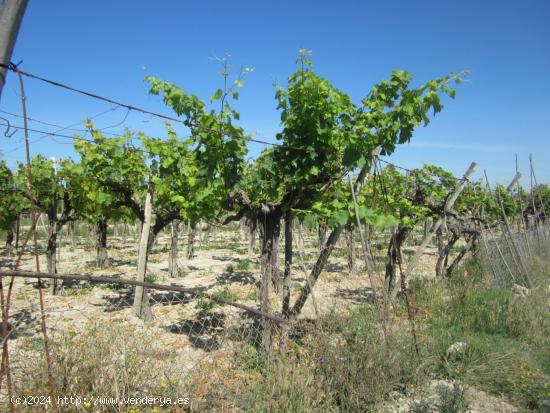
(494, 238)
(6, 303)
(522, 264)
(515, 180)
(141, 299)
(11, 15)
(522, 221)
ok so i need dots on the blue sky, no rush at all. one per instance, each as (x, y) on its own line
(109, 46)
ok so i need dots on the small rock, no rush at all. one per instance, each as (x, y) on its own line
(427, 399)
(456, 350)
(520, 290)
(481, 402)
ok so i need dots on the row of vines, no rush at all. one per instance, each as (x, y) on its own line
(323, 173)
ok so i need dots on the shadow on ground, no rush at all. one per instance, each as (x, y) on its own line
(240, 277)
(204, 332)
(360, 295)
(21, 324)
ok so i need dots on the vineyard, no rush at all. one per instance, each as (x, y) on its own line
(317, 276)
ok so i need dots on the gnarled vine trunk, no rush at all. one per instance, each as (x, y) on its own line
(102, 258)
(443, 254)
(9, 242)
(270, 229)
(173, 266)
(394, 252)
(51, 254)
(191, 236)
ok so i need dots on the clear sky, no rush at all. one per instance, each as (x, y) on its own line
(109, 46)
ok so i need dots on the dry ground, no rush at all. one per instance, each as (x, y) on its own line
(187, 330)
(216, 266)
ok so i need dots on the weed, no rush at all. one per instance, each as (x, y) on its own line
(296, 286)
(151, 277)
(421, 406)
(452, 399)
(116, 361)
(329, 276)
(506, 353)
(508, 345)
(243, 265)
(115, 287)
(362, 345)
(284, 386)
(77, 291)
(225, 294)
(205, 305)
(340, 252)
(253, 295)
(250, 360)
